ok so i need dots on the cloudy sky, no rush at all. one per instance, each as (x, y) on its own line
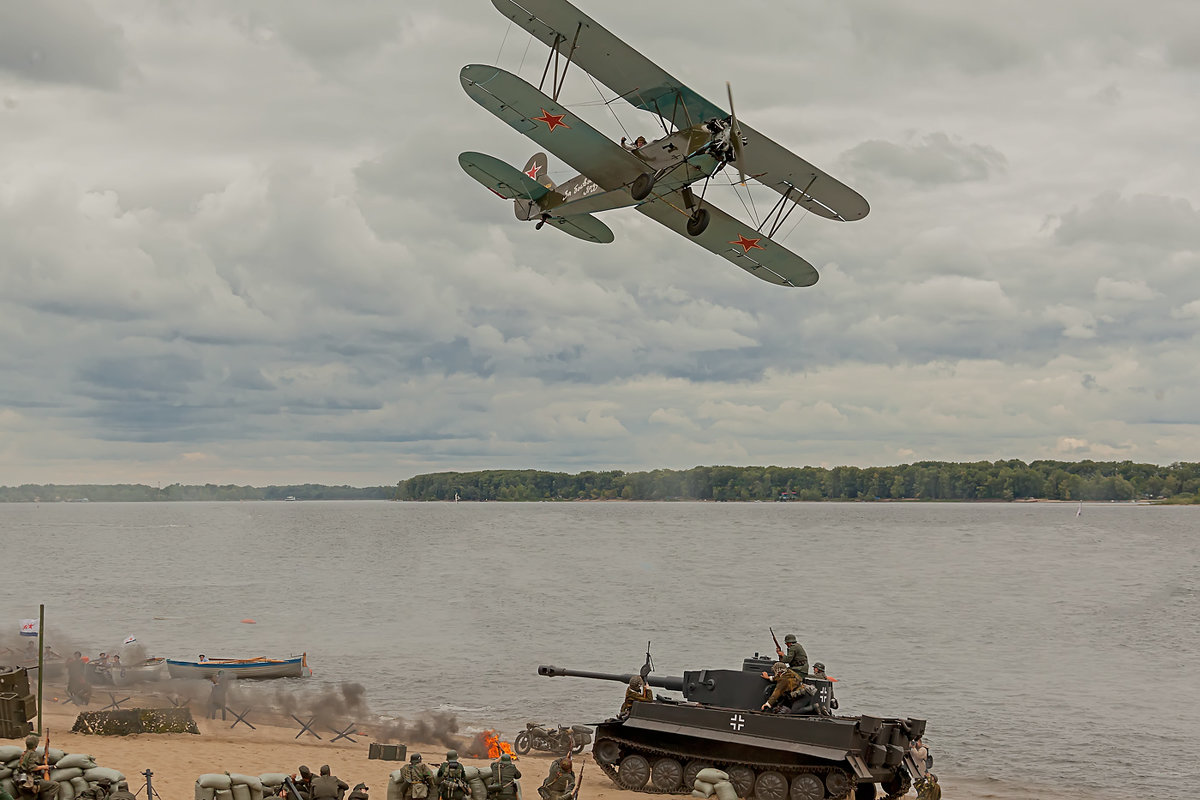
(236, 247)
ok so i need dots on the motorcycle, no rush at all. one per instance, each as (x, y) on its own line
(564, 739)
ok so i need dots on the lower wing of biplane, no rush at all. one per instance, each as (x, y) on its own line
(609, 175)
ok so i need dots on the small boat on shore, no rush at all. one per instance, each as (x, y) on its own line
(151, 669)
(241, 668)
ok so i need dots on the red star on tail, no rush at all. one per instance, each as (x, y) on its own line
(552, 120)
(747, 244)
(533, 171)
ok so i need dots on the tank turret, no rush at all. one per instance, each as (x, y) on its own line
(662, 744)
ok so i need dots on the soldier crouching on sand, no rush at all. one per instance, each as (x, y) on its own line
(416, 779)
(560, 783)
(31, 776)
(502, 783)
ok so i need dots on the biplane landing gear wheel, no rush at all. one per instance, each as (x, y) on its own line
(697, 222)
(642, 186)
(541, 222)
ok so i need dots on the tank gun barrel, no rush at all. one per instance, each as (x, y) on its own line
(671, 682)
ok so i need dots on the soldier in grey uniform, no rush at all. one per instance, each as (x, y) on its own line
(560, 783)
(502, 784)
(795, 657)
(452, 779)
(327, 786)
(416, 774)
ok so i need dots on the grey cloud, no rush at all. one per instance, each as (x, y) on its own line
(1141, 219)
(62, 41)
(934, 159)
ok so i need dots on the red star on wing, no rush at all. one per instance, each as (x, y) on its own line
(533, 171)
(552, 120)
(747, 244)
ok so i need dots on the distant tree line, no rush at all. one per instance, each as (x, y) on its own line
(136, 492)
(924, 480)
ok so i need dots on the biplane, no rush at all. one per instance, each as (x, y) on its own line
(657, 178)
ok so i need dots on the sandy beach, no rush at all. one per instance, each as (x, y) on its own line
(176, 760)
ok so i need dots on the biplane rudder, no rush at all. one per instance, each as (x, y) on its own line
(536, 167)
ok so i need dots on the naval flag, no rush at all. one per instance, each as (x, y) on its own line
(29, 627)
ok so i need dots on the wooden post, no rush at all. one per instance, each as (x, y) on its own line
(41, 659)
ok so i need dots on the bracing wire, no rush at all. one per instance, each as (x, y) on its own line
(803, 214)
(743, 202)
(610, 108)
(502, 41)
(525, 54)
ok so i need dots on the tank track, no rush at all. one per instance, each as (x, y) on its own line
(611, 769)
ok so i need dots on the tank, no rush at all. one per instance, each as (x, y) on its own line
(662, 744)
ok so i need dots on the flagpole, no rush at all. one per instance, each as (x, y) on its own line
(41, 659)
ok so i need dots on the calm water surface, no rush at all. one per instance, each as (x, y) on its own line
(1047, 650)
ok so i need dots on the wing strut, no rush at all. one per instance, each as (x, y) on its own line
(778, 212)
(557, 83)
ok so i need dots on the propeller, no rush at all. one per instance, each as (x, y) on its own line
(735, 133)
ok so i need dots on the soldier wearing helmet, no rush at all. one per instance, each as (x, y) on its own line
(502, 782)
(416, 779)
(788, 688)
(636, 692)
(560, 782)
(452, 779)
(794, 657)
(31, 774)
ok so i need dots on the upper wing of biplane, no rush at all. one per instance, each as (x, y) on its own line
(583, 41)
(735, 241)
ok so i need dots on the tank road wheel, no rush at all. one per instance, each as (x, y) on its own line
(606, 751)
(864, 791)
(838, 784)
(897, 785)
(771, 785)
(692, 769)
(521, 743)
(633, 772)
(642, 186)
(742, 778)
(807, 786)
(667, 774)
(697, 222)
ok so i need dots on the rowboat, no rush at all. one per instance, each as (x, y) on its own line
(242, 668)
(152, 669)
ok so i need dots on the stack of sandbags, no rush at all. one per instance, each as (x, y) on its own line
(233, 786)
(272, 781)
(394, 781)
(712, 781)
(475, 777)
(75, 772)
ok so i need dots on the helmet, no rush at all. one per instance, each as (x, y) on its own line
(415, 757)
(778, 667)
(635, 682)
(452, 755)
(818, 667)
(789, 639)
(31, 741)
(505, 757)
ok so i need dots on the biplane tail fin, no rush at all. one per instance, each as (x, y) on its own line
(538, 168)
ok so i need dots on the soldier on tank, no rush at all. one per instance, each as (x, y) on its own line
(795, 657)
(416, 779)
(788, 689)
(328, 786)
(818, 673)
(502, 784)
(30, 776)
(452, 779)
(636, 692)
(560, 783)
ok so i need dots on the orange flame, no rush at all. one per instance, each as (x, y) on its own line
(495, 747)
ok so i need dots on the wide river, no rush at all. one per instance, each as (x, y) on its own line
(1051, 653)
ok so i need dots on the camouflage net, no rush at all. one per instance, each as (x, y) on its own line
(136, 720)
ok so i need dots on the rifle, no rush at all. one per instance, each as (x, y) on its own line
(778, 649)
(646, 668)
(579, 781)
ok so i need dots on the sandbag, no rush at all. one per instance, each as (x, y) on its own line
(8, 787)
(698, 793)
(223, 794)
(55, 754)
(66, 791)
(10, 752)
(393, 789)
(477, 787)
(98, 773)
(5, 772)
(80, 785)
(204, 792)
(81, 760)
(215, 780)
(712, 775)
(272, 778)
(470, 772)
(61, 775)
(237, 779)
(241, 791)
(725, 791)
(703, 787)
